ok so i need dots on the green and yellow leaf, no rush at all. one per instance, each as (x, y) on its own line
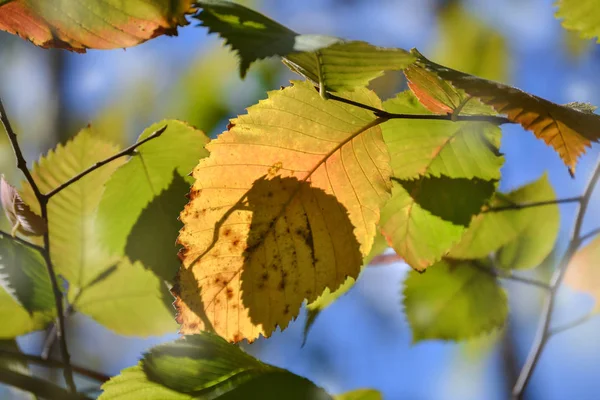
(258, 231)
(581, 16)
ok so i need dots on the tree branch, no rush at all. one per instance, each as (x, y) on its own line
(535, 204)
(590, 234)
(43, 200)
(22, 241)
(543, 333)
(127, 152)
(510, 276)
(496, 120)
(572, 324)
(29, 358)
(37, 386)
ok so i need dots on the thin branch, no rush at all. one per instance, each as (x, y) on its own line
(572, 324)
(30, 358)
(127, 152)
(535, 204)
(43, 200)
(590, 234)
(510, 276)
(448, 117)
(22, 241)
(37, 386)
(543, 333)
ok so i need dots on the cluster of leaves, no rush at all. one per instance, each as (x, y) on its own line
(286, 206)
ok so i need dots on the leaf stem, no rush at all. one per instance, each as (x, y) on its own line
(43, 201)
(496, 120)
(590, 234)
(127, 152)
(543, 333)
(536, 204)
(510, 276)
(22, 241)
(572, 324)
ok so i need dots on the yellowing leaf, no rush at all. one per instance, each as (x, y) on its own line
(285, 206)
(75, 248)
(360, 394)
(583, 273)
(92, 24)
(332, 62)
(18, 212)
(567, 129)
(444, 172)
(453, 301)
(582, 16)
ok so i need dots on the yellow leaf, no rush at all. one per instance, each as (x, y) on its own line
(567, 129)
(285, 207)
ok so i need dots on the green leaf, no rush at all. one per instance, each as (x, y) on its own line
(444, 173)
(453, 300)
(360, 394)
(334, 63)
(76, 252)
(582, 16)
(206, 367)
(327, 297)
(128, 300)
(16, 321)
(524, 237)
(135, 184)
(23, 274)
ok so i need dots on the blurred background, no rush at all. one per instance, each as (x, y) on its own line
(362, 340)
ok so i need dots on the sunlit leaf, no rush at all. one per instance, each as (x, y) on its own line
(258, 229)
(150, 185)
(22, 219)
(334, 63)
(17, 321)
(582, 16)
(327, 297)
(206, 367)
(129, 300)
(444, 172)
(453, 301)
(567, 129)
(93, 24)
(583, 273)
(524, 236)
(23, 274)
(360, 394)
(75, 249)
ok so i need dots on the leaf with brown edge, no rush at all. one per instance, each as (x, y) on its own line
(22, 219)
(258, 230)
(583, 273)
(93, 24)
(567, 129)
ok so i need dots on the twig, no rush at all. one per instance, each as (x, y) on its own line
(43, 200)
(22, 241)
(37, 386)
(535, 204)
(448, 117)
(127, 152)
(590, 234)
(572, 324)
(510, 276)
(98, 376)
(543, 333)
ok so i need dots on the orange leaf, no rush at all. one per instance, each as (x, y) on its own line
(92, 24)
(18, 212)
(583, 273)
(567, 129)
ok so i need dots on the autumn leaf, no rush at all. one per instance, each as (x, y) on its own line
(444, 172)
(93, 24)
(22, 219)
(207, 367)
(257, 230)
(453, 300)
(333, 63)
(360, 394)
(581, 16)
(567, 129)
(583, 272)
